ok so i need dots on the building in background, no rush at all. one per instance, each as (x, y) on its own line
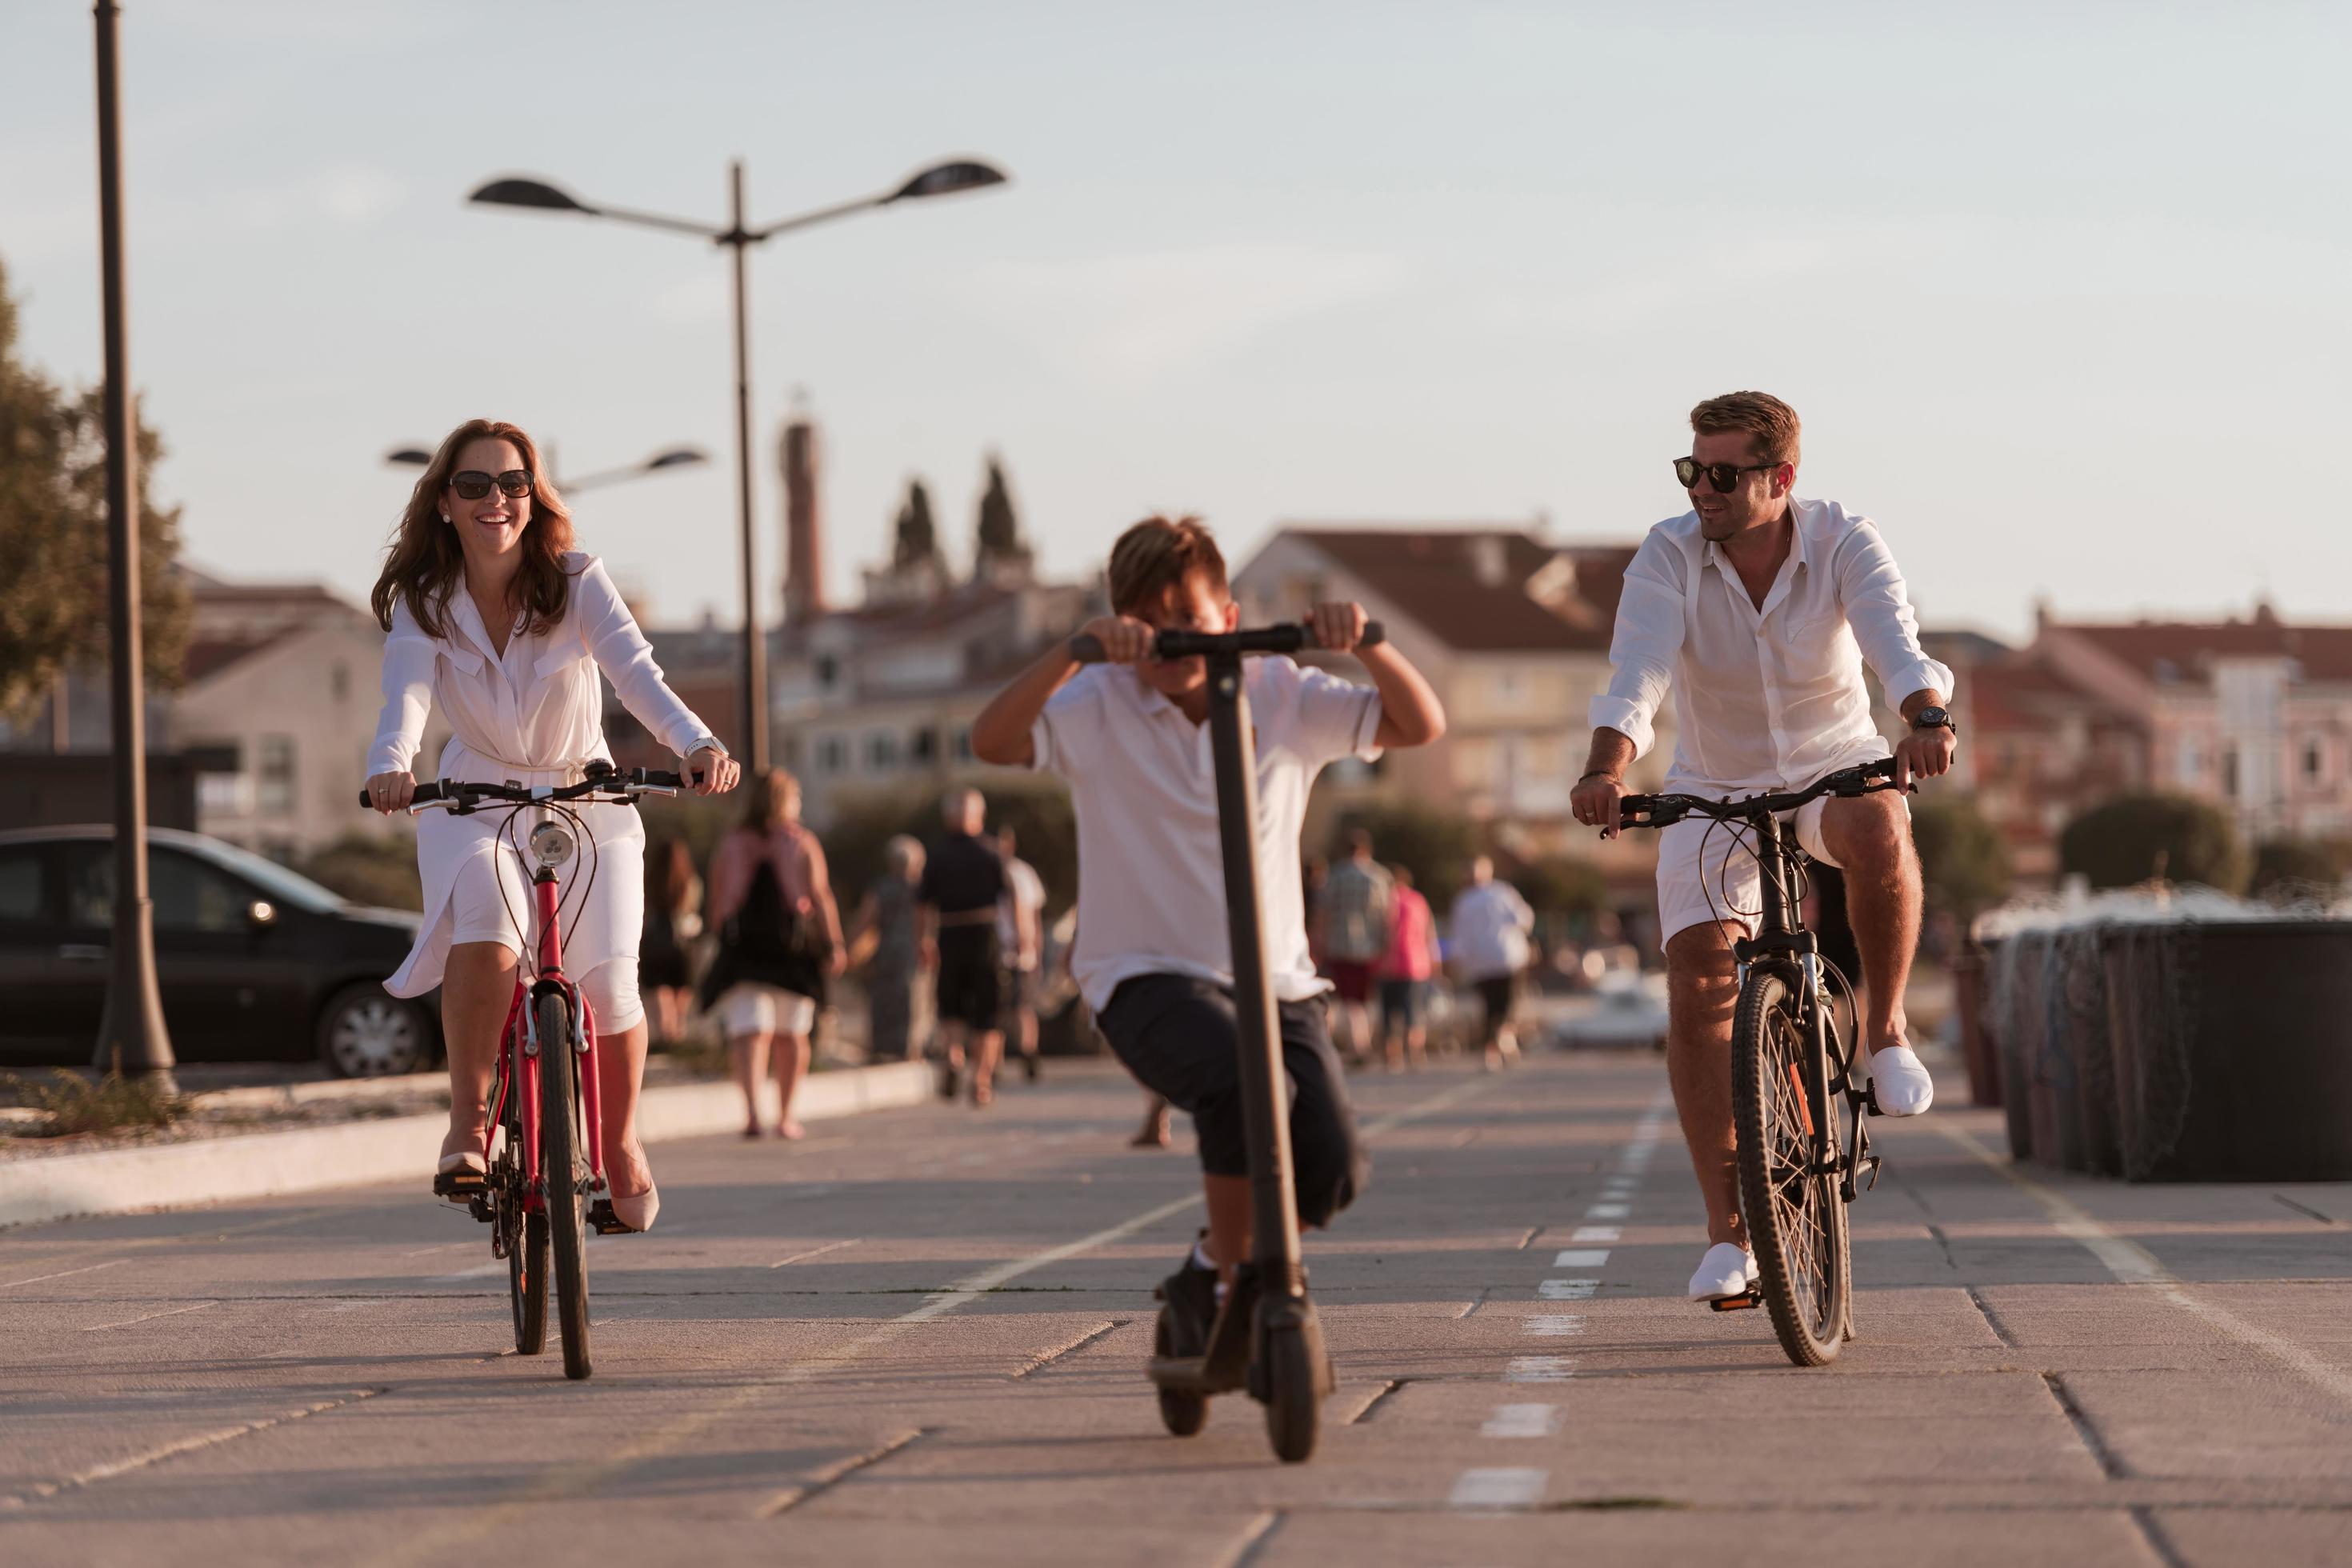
(2254, 715)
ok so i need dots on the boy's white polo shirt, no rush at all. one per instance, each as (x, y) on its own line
(1151, 882)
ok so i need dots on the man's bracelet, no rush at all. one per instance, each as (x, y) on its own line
(1601, 773)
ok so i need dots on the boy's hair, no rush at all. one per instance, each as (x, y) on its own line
(1771, 425)
(1160, 553)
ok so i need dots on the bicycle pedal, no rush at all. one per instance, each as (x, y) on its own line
(1740, 1303)
(1870, 1098)
(604, 1222)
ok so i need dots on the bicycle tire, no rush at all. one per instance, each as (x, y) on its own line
(1787, 1151)
(526, 1284)
(560, 1171)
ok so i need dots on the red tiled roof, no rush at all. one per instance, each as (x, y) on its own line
(1435, 576)
(207, 657)
(2188, 648)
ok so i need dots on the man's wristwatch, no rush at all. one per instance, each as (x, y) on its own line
(1934, 719)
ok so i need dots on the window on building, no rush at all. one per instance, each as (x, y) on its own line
(2314, 761)
(923, 745)
(277, 781)
(792, 753)
(964, 743)
(832, 754)
(338, 680)
(828, 672)
(881, 751)
(20, 885)
(2230, 773)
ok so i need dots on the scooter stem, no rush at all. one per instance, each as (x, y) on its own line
(1265, 1087)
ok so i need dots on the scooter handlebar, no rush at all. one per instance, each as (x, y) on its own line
(1287, 639)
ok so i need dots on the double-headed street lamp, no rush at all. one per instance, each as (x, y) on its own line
(676, 458)
(938, 179)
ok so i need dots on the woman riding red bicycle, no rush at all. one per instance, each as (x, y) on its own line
(493, 614)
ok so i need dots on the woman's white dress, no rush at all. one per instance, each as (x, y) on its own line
(533, 716)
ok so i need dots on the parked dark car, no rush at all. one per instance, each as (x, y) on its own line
(255, 963)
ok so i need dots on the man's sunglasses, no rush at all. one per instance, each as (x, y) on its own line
(473, 484)
(1723, 476)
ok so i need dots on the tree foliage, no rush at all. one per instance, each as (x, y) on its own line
(1000, 528)
(1961, 857)
(2136, 837)
(916, 537)
(2290, 866)
(1037, 810)
(1435, 846)
(53, 552)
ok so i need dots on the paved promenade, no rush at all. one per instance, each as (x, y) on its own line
(919, 1337)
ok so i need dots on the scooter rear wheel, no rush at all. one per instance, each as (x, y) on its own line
(1294, 1397)
(1181, 1413)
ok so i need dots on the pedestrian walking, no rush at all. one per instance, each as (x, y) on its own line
(1020, 935)
(489, 612)
(673, 924)
(1356, 899)
(963, 884)
(883, 940)
(779, 943)
(1404, 974)
(1490, 927)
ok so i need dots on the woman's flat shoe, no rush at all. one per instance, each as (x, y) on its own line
(629, 1215)
(459, 1176)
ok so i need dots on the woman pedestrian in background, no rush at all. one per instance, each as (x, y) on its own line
(673, 922)
(779, 942)
(885, 940)
(1404, 971)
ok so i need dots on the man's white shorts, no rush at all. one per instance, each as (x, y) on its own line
(750, 1007)
(1701, 859)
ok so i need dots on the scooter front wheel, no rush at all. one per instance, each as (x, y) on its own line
(1293, 1384)
(1182, 1412)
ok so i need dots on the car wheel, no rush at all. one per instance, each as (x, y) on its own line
(363, 1033)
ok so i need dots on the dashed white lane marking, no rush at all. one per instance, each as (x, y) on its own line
(1555, 1325)
(1539, 1369)
(1522, 1421)
(814, 1252)
(148, 1318)
(173, 1449)
(1597, 1233)
(1608, 1211)
(478, 1272)
(1582, 1257)
(65, 1273)
(1498, 1488)
(1565, 1289)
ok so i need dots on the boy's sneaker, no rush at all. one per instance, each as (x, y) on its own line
(1191, 1295)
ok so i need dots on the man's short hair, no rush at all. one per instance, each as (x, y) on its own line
(956, 805)
(1157, 554)
(1773, 426)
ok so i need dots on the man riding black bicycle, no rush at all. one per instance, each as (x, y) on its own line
(1758, 610)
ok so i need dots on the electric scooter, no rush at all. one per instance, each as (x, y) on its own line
(1268, 1337)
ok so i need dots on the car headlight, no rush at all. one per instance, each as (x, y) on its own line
(551, 845)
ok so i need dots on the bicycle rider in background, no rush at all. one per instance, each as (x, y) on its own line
(1758, 610)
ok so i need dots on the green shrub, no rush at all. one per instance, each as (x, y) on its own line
(381, 872)
(73, 1102)
(2295, 865)
(1961, 856)
(2138, 838)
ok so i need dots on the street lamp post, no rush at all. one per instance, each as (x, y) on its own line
(938, 179)
(131, 1033)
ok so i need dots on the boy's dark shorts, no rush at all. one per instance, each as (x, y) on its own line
(1179, 1036)
(968, 976)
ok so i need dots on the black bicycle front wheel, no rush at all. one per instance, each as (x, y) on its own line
(527, 1283)
(1788, 1135)
(561, 1170)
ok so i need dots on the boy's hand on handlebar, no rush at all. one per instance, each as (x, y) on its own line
(1923, 754)
(1594, 802)
(711, 772)
(1125, 640)
(1338, 628)
(389, 793)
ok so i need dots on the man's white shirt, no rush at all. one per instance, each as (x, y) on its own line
(1767, 699)
(1151, 881)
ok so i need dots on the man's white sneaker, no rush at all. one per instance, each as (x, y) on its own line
(1728, 1269)
(1903, 1086)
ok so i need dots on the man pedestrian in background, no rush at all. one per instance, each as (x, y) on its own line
(1357, 898)
(1489, 944)
(963, 884)
(1020, 934)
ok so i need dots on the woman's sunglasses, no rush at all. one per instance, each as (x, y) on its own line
(473, 484)
(1723, 476)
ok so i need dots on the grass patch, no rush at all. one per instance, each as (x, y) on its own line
(71, 1103)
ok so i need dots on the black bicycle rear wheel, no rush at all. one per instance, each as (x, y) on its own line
(1788, 1136)
(561, 1167)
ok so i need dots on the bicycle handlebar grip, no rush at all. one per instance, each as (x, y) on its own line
(425, 794)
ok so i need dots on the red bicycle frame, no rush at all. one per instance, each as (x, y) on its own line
(519, 1065)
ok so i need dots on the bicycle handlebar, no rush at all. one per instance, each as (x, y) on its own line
(1665, 810)
(1285, 639)
(463, 796)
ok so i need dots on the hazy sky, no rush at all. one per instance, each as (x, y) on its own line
(2059, 290)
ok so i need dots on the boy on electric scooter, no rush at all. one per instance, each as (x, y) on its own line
(1154, 953)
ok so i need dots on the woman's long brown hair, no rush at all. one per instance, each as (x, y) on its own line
(423, 566)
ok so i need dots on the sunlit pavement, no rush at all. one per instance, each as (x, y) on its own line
(919, 1337)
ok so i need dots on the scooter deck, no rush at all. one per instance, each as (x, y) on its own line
(1192, 1374)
